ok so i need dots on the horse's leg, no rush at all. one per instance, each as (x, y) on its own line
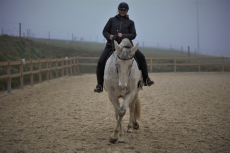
(121, 135)
(115, 101)
(116, 104)
(127, 100)
(132, 119)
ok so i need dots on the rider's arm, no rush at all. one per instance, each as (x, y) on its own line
(132, 32)
(106, 30)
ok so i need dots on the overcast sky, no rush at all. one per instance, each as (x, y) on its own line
(158, 22)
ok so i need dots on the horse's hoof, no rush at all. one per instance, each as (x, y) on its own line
(121, 141)
(135, 126)
(129, 130)
(112, 140)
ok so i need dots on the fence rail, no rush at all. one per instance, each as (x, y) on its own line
(66, 66)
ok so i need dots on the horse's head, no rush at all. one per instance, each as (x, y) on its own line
(125, 57)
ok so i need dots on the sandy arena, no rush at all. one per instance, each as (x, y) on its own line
(182, 112)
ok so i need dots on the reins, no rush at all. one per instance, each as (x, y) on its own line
(113, 48)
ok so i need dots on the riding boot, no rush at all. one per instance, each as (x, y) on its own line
(98, 89)
(100, 80)
(144, 68)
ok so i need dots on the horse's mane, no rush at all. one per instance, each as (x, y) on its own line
(126, 43)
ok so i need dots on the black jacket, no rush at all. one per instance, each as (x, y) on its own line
(119, 24)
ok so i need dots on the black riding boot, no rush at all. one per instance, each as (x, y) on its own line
(144, 68)
(99, 86)
(147, 80)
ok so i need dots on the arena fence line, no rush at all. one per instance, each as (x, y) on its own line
(53, 68)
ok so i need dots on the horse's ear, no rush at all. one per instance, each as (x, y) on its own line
(134, 49)
(117, 47)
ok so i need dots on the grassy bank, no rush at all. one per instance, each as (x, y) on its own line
(16, 48)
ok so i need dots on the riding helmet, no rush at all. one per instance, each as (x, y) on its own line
(123, 6)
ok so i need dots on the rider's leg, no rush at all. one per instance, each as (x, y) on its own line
(143, 67)
(100, 69)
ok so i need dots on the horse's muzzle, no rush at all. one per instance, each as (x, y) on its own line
(123, 87)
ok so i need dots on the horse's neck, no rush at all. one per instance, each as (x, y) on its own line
(110, 68)
(112, 59)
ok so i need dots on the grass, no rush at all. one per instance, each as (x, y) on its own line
(17, 48)
(94, 48)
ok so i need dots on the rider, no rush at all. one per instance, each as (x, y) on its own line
(117, 28)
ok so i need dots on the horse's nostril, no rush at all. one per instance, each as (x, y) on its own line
(122, 87)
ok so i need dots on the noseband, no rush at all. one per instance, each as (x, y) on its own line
(124, 59)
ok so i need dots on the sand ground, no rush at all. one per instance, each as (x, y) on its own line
(182, 112)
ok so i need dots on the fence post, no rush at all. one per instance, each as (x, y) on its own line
(67, 68)
(174, 64)
(74, 65)
(47, 71)
(189, 53)
(78, 67)
(222, 64)
(71, 66)
(21, 72)
(9, 77)
(51, 70)
(151, 64)
(40, 72)
(31, 73)
(56, 67)
(62, 70)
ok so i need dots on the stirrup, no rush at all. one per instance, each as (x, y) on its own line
(149, 82)
(98, 89)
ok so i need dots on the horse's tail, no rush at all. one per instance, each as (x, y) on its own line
(137, 112)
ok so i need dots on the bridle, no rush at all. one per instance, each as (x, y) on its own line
(125, 59)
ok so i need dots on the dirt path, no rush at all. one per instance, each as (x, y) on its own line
(182, 112)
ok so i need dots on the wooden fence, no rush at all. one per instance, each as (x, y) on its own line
(65, 66)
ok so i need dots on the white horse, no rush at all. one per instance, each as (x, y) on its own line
(123, 79)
